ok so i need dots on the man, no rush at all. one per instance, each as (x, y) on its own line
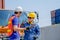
(32, 29)
(13, 24)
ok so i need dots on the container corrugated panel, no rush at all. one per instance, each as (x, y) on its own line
(55, 16)
(53, 20)
(53, 13)
(4, 15)
(2, 4)
(57, 19)
(57, 12)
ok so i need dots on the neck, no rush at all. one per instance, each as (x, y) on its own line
(30, 22)
(16, 15)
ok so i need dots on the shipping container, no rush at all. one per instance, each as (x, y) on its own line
(55, 16)
(57, 12)
(53, 20)
(4, 15)
(57, 19)
(53, 13)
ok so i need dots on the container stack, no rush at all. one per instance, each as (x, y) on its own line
(55, 16)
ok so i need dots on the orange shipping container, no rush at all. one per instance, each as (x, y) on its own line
(2, 4)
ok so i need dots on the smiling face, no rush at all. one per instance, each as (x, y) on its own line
(30, 19)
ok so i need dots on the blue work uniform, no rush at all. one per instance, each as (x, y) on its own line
(33, 31)
(15, 35)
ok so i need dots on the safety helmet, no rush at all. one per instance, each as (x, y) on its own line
(31, 14)
(18, 9)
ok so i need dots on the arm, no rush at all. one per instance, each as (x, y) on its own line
(15, 25)
(18, 29)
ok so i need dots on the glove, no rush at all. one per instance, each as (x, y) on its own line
(35, 37)
(27, 28)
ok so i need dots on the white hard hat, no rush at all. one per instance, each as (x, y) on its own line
(18, 9)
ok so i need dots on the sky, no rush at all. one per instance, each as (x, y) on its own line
(43, 7)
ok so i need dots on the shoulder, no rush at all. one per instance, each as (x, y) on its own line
(12, 17)
(36, 25)
(24, 23)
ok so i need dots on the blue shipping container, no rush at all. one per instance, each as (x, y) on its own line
(55, 16)
(53, 20)
(57, 12)
(53, 13)
(4, 15)
(57, 19)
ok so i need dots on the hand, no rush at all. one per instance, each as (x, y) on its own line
(35, 37)
(27, 28)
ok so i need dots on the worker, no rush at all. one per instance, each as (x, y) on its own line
(32, 29)
(14, 24)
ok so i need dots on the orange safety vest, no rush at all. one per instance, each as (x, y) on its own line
(10, 26)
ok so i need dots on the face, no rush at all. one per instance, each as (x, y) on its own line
(18, 14)
(30, 19)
